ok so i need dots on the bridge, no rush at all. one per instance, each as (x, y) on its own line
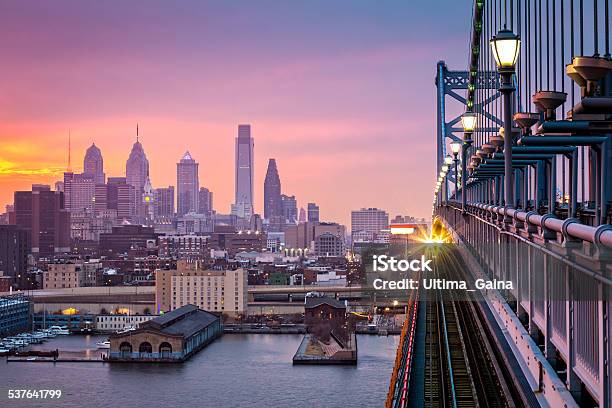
(523, 195)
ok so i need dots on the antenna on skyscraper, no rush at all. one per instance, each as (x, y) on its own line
(69, 169)
(137, 132)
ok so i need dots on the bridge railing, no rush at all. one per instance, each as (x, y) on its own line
(560, 272)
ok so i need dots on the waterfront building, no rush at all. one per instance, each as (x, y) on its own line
(117, 322)
(79, 191)
(136, 173)
(205, 202)
(243, 203)
(93, 164)
(313, 212)
(15, 312)
(14, 250)
(164, 202)
(171, 337)
(187, 185)
(42, 214)
(367, 223)
(223, 291)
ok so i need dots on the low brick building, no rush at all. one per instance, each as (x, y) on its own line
(172, 337)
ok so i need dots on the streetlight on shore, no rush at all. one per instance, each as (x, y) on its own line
(505, 46)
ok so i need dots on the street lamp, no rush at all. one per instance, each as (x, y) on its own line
(455, 148)
(468, 120)
(506, 46)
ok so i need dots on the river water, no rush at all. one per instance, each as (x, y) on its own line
(234, 371)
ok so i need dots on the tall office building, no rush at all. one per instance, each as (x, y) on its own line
(289, 208)
(164, 201)
(14, 248)
(205, 201)
(136, 173)
(243, 203)
(79, 191)
(367, 223)
(42, 214)
(313, 212)
(93, 164)
(273, 206)
(117, 195)
(302, 217)
(187, 185)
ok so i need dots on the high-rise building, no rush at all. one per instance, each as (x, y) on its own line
(187, 185)
(273, 206)
(289, 208)
(148, 201)
(243, 203)
(164, 201)
(302, 217)
(42, 214)
(79, 191)
(117, 195)
(205, 201)
(14, 250)
(313, 212)
(94, 164)
(136, 173)
(367, 223)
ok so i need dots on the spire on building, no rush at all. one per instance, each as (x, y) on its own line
(69, 169)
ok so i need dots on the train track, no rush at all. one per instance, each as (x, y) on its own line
(463, 367)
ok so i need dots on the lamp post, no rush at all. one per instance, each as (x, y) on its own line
(468, 120)
(455, 148)
(505, 46)
(444, 183)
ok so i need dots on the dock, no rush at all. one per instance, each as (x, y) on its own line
(335, 352)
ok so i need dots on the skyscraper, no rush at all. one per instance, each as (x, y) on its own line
(205, 201)
(117, 195)
(289, 208)
(79, 191)
(243, 204)
(313, 212)
(42, 214)
(136, 173)
(93, 164)
(273, 206)
(187, 185)
(164, 202)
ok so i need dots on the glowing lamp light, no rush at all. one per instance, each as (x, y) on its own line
(468, 121)
(402, 229)
(455, 147)
(448, 159)
(505, 46)
(445, 168)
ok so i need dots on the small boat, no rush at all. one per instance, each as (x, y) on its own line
(103, 344)
(31, 359)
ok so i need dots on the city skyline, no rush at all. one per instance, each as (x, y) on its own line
(325, 100)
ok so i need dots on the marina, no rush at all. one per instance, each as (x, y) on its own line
(219, 371)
